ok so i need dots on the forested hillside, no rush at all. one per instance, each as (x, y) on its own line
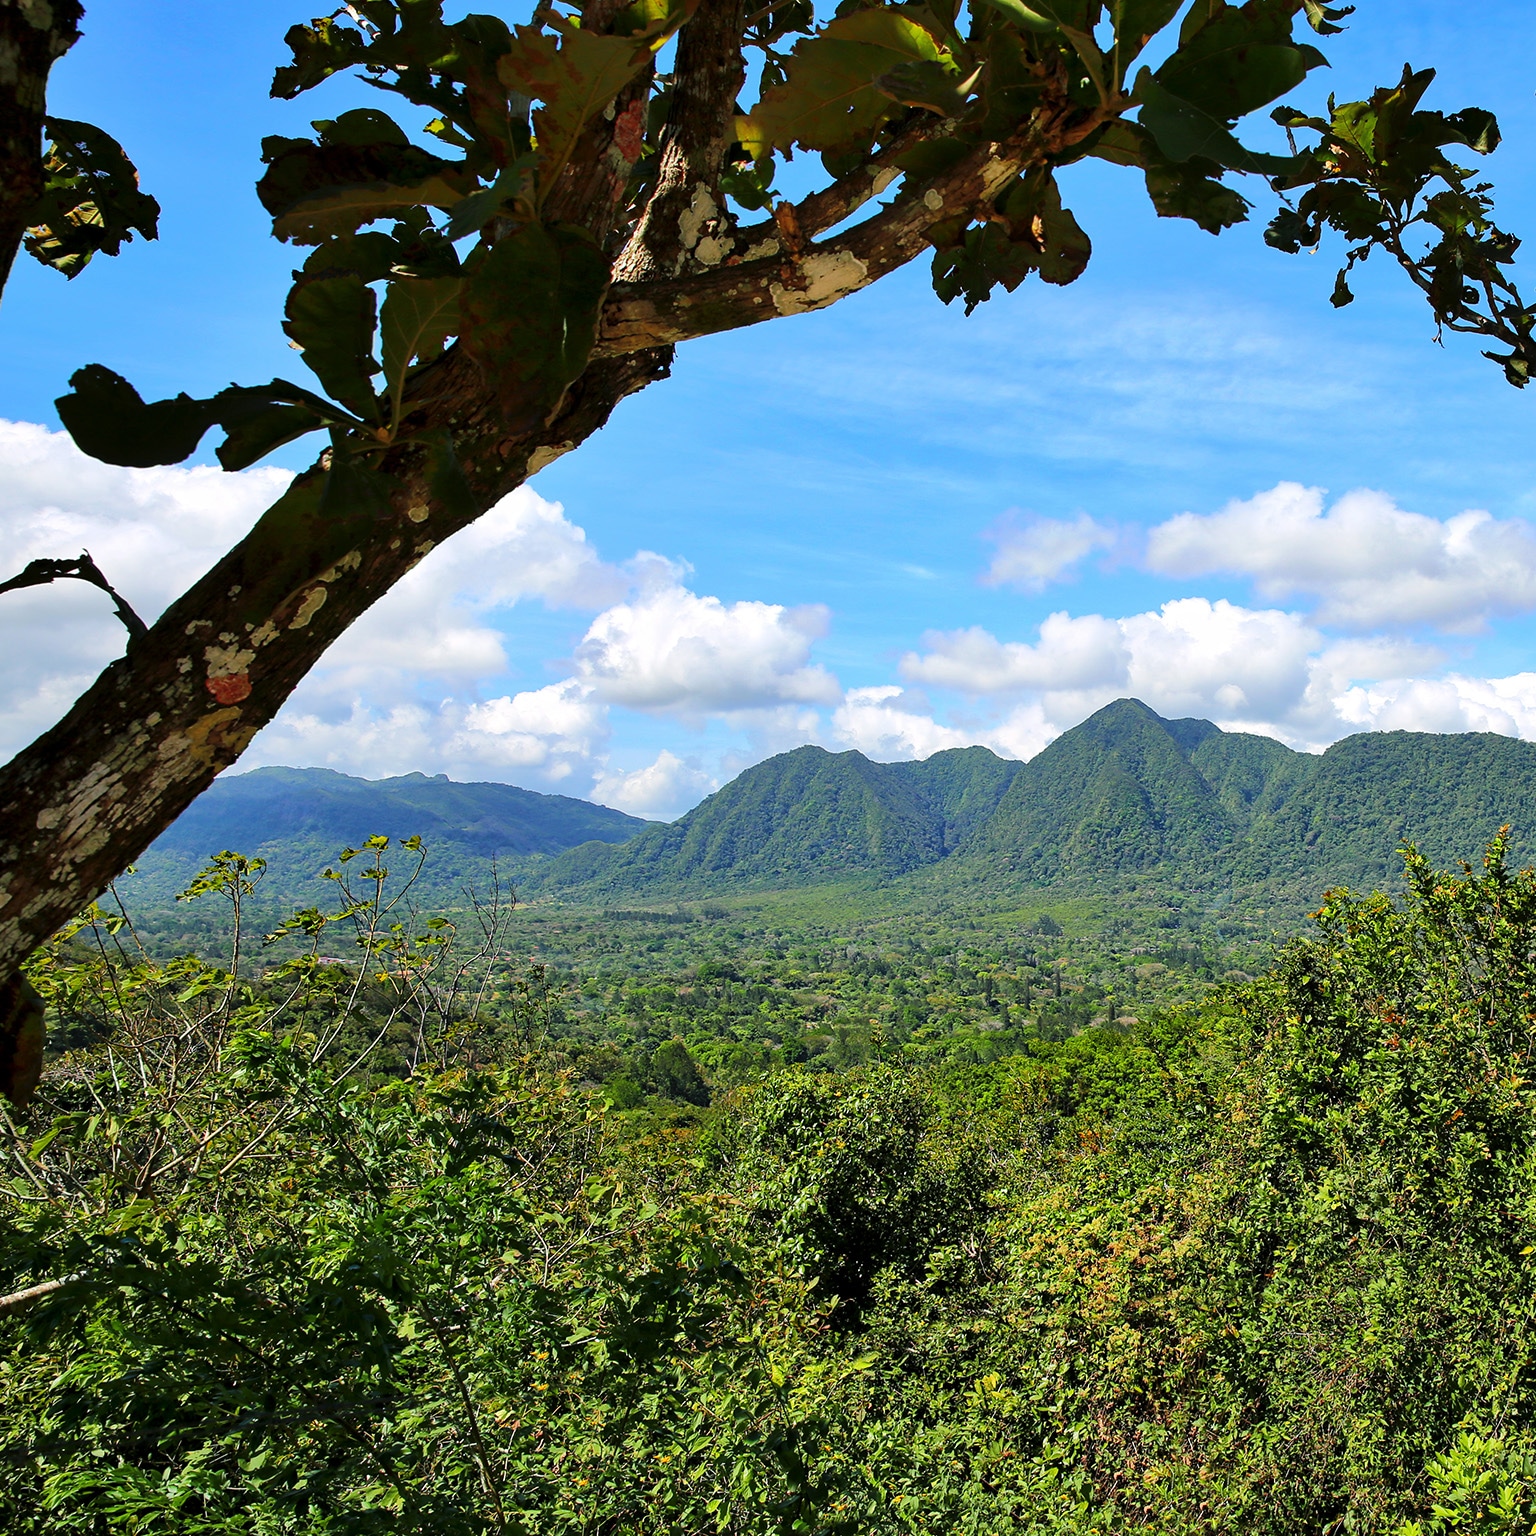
(299, 818)
(401, 1244)
(1121, 799)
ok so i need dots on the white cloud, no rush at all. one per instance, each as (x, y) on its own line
(1254, 667)
(1195, 657)
(661, 790)
(1032, 554)
(674, 651)
(664, 650)
(554, 737)
(1367, 562)
(1072, 652)
(889, 724)
(439, 621)
(873, 721)
(1505, 705)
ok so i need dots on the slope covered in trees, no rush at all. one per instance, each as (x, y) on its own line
(297, 819)
(1124, 796)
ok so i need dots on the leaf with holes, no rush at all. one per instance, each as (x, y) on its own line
(91, 199)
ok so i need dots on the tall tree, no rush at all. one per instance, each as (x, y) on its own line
(610, 203)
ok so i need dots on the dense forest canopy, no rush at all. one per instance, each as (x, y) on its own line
(380, 1233)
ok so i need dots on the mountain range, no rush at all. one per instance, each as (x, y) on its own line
(300, 819)
(1123, 796)
(1125, 800)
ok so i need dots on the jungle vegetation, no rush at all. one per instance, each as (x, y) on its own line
(374, 1228)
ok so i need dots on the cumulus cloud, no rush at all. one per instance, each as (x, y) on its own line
(1257, 668)
(440, 621)
(660, 791)
(1504, 705)
(1261, 670)
(553, 737)
(1032, 554)
(671, 650)
(1084, 652)
(887, 724)
(1367, 563)
(890, 724)
(663, 649)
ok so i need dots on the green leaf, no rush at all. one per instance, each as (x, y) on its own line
(320, 50)
(1136, 23)
(1029, 18)
(575, 75)
(831, 99)
(513, 185)
(332, 319)
(1184, 131)
(1041, 236)
(418, 317)
(529, 312)
(1241, 59)
(933, 84)
(361, 170)
(91, 200)
(251, 436)
(445, 477)
(353, 489)
(109, 419)
(1185, 192)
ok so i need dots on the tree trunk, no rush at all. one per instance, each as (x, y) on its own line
(33, 34)
(160, 724)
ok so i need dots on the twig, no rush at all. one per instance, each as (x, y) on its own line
(39, 573)
(34, 1292)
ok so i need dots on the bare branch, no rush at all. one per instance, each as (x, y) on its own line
(39, 573)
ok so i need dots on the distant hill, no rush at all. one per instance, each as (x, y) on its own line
(299, 819)
(802, 817)
(1125, 801)
(1124, 796)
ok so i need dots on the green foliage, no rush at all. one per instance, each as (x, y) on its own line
(1381, 175)
(91, 202)
(1257, 1265)
(532, 305)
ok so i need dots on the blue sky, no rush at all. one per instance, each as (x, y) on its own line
(823, 498)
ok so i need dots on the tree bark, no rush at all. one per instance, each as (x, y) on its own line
(686, 210)
(33, 35)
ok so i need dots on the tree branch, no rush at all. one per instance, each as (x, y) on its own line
(686, 209)
(157, 727)
(40, 572)
(730, 297)
(775, 281)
